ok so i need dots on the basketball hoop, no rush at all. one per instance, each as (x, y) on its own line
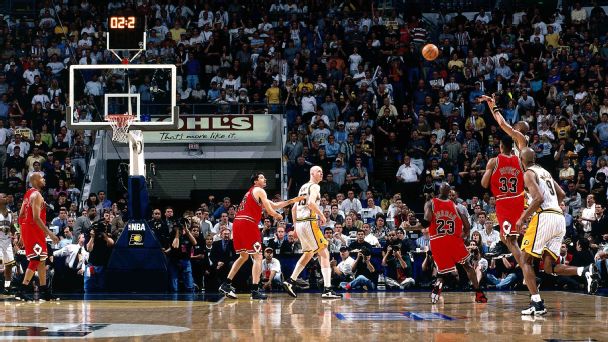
(120, 126)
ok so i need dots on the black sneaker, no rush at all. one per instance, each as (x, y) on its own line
(48, 296)
(228, 290)
(7, 291)
(24, 294)
(330, 294)
(536, 309)
(591, 275)
(258, 294)
(289, 285)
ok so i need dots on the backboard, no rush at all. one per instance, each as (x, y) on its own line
(147, 91)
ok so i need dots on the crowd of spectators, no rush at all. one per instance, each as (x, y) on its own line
(385, 125)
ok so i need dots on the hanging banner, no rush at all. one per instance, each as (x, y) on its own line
(216, 129)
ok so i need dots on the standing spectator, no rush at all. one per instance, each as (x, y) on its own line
(179, 252)
(222, 255)
(99, 246)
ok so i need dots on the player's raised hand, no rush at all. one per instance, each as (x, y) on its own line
(488, 99)
(278, 217)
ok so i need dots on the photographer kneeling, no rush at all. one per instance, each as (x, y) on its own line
(398, 267)
(99, 246)
(365, 273)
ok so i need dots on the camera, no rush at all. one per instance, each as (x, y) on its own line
(396, 248)
(366, 252)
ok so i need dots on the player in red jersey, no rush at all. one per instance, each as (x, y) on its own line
(247, 238)
(448, 230)
(32, 219)
(505, 177)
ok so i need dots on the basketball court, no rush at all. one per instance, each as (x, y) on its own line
(358, 316)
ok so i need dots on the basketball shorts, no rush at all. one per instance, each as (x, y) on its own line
(246, 236)
(310, 236)
(6, 250)
(447, 252)
(508, 211)
(545, 232)
(34, 241)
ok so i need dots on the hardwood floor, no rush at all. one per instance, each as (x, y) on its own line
(357, 317)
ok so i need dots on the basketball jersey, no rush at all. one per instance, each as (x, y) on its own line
(302, 210)
(547, 188)
(29, 213)
(516, 150)
(5, 224)
(249, 208)
(507, 178)
(446, 220)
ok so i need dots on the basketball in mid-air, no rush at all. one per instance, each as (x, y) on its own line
(430, 52)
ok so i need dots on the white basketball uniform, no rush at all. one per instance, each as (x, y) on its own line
(6, 239)
(547, 226)
(307, 225)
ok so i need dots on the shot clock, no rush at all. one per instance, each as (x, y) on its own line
(126, 32)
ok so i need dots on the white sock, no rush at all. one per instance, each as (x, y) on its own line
(536, 298)
(297, 270)
(579, 271)
(326, 276)
(7, 284)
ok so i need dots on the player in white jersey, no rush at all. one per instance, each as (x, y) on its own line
(545, 232)
(7, 229)
(517, 132)
(307, 215)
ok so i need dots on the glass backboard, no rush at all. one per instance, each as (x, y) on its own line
(147, 91)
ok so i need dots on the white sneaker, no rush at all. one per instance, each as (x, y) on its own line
(407, 283)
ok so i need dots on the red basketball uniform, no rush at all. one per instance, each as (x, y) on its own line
(246, 235)
(34, 238)
(507, 185)
(445, 233)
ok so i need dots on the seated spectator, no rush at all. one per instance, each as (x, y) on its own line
(502, 272)
(489, 236)
(424, 241)
(271, 271)
(360, 242)
(279, 243)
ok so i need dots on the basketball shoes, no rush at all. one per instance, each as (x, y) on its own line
(289, 285)
(258, 294)
(436, 293)
(591, 275)
(329, 293)
(228, 290)
(536, 308)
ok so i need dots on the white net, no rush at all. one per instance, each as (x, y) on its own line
(120, 126)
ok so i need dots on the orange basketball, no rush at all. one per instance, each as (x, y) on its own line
(430, 52)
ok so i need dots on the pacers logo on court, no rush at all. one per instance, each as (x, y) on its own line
(136, 240)
(526, 242)
(61, 331)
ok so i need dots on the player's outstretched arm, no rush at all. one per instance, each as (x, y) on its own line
(519, 138)
(487, 176)
(261, 195)
(283, 204)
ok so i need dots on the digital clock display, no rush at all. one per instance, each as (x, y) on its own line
(122, 22)
(126, 31)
